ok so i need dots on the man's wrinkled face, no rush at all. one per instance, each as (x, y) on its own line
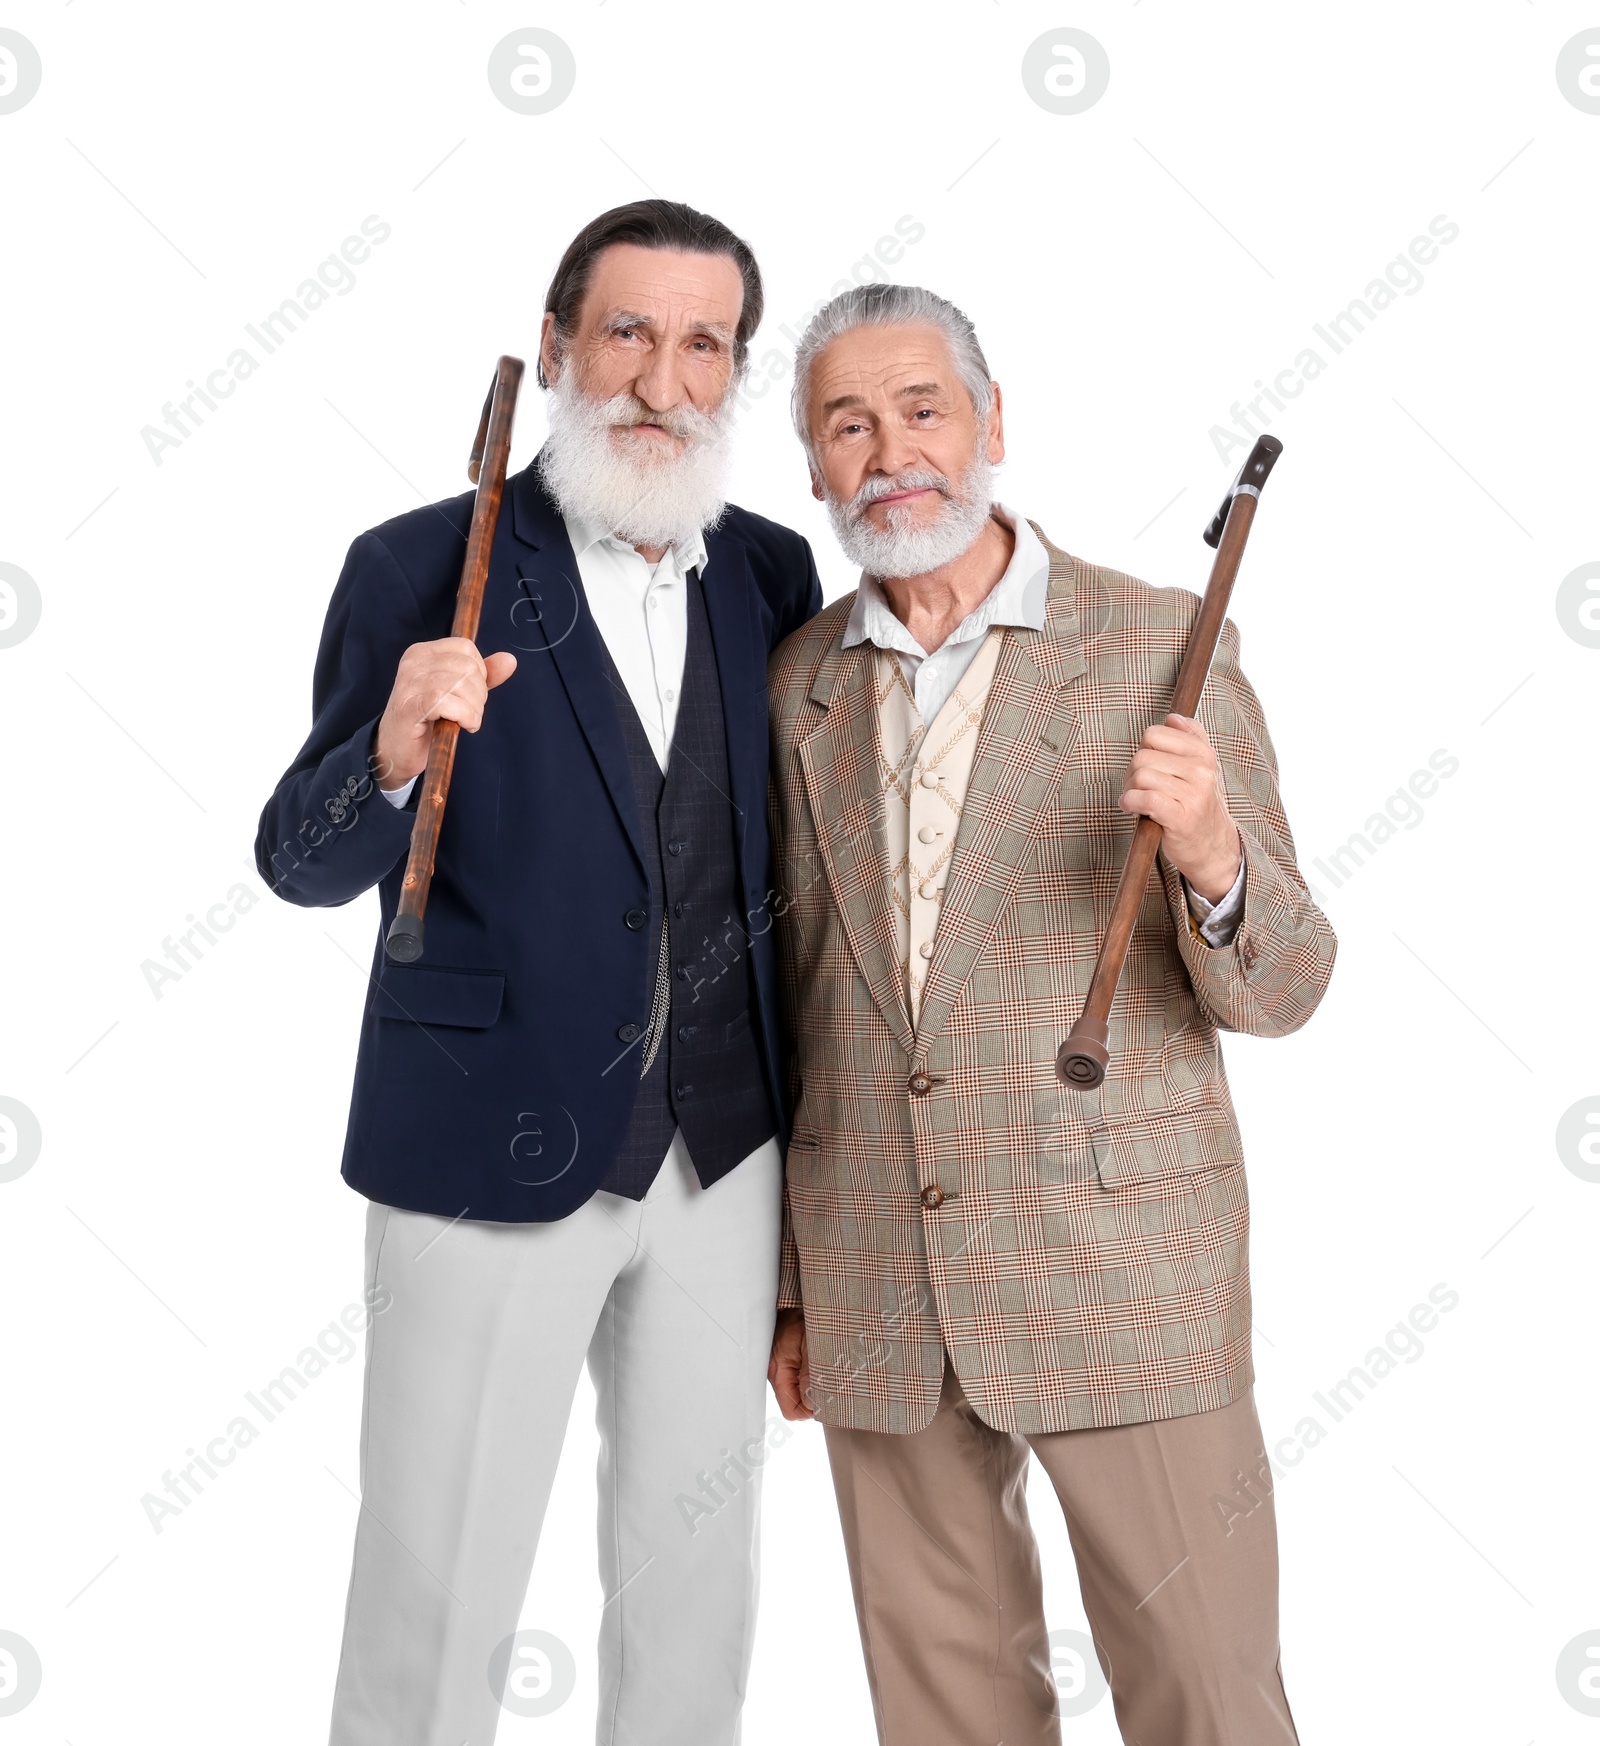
(656, 328)
(900, 455)
(640, 413)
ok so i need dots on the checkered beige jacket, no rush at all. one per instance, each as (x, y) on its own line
(1086, 1264)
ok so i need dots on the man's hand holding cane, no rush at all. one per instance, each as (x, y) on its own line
(1175, 779)
(447, 680)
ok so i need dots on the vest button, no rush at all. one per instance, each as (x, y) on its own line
(928, 834)
(675, 847)
(919, 1085)
(683, 1090)
(933, 1195)
(925, 950)
(637, 918)
(629, 1033)
(928, 890)
(930, 778)
(685, 1032)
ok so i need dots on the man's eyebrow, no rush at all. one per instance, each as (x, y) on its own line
(916, 391)
(616, 318)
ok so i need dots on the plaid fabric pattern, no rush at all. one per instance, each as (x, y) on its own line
(1081, 1254)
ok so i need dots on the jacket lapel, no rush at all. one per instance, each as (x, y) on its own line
(729, 591)
(1028, 728)
(549, 613)
(844, 784)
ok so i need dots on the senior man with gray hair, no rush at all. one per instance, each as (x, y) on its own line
(980, 1261)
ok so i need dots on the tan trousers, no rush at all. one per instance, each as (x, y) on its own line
(1182, 1596)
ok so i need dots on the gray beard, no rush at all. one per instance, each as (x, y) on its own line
(645, 499)
(900, 550)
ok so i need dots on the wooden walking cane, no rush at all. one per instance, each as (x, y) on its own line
(486, 468)
(1081, 1059)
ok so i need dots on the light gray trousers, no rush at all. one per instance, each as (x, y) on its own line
(470, 1377)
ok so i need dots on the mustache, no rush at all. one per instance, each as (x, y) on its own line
(687, 422)
(913, 479)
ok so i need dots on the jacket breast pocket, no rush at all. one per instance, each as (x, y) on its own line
(426, 995)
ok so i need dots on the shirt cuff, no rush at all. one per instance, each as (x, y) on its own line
(397, 797)
(1218, 922)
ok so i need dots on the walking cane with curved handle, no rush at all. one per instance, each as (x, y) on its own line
(1082, 1058)
(486, 468)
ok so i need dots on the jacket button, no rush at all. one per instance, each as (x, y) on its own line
(919, 1085)
(933, 1195)
(629, 1033)
(637, 918)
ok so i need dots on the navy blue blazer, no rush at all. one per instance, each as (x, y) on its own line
(496, 1077)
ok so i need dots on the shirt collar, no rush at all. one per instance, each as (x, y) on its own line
(1018, 598)
(585, 532)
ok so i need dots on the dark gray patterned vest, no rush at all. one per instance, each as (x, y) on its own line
(701, 1063)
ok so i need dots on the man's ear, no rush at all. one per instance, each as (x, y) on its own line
(549, 352)
(997, 429)
(816, 487)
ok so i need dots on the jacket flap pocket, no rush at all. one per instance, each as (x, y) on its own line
(1172, 1144)
(429, 996)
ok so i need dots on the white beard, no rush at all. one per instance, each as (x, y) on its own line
(901, 549)
(643, 496)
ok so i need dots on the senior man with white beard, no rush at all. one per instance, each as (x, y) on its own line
(982, 1264)
(567, 1117)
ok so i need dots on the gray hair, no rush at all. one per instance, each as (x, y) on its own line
(880, 305)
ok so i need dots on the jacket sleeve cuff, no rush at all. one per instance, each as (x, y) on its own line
(347, 838)
(788, 1267)
(1217, 923)
(1275, 924)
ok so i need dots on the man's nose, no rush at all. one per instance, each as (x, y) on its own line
(892, 452)
(660, 384)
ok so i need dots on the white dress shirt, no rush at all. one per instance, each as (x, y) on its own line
(642, 613)
(1018, 599)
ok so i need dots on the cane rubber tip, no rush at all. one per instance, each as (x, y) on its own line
(403, 942)
(1081, 1062)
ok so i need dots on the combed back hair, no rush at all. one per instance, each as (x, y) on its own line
(651, 224)
(878, 305)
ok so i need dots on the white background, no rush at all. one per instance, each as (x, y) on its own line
(1133, 270)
